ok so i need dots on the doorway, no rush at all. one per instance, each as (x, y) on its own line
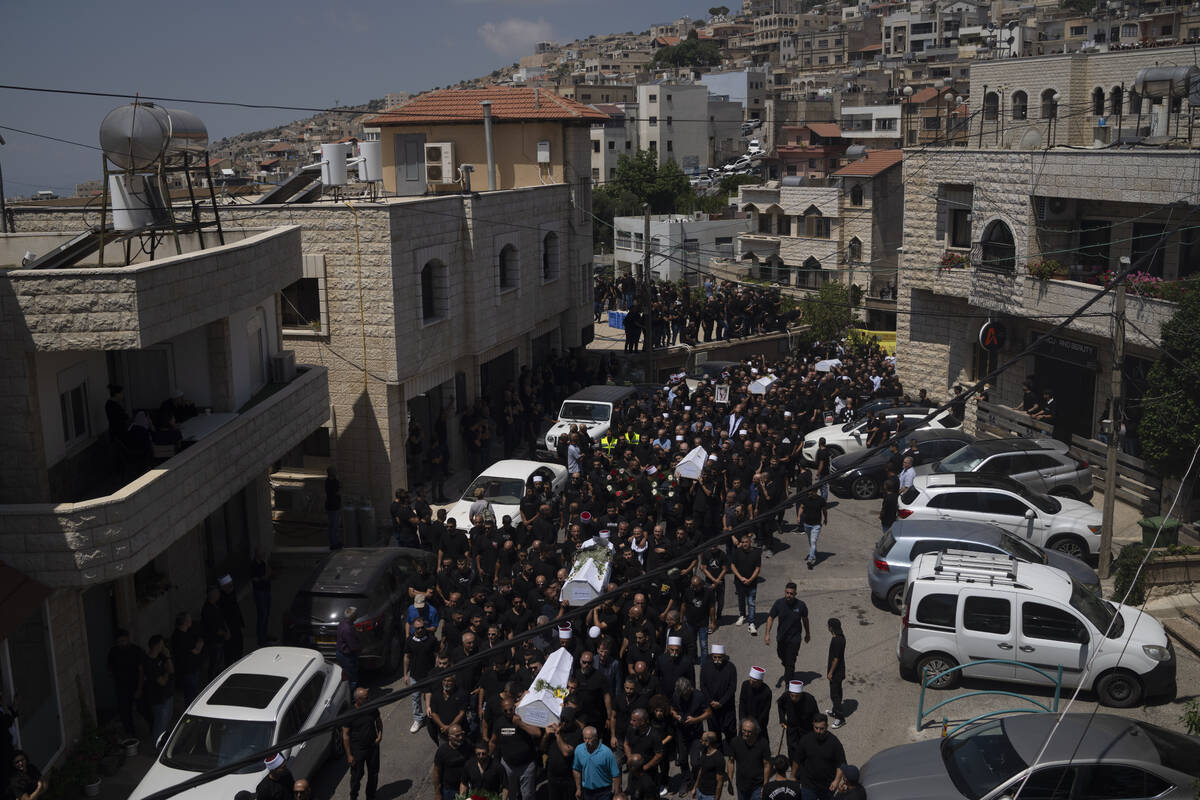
(494, 378)
(1074, 389)
(410, 164)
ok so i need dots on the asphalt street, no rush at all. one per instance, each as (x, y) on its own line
(882, 708)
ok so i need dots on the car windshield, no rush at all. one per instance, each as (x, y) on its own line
(505, 491)
(1099, 612)
(584, 412)
(200, 744)
(852, 424)
(1175, 751)
(1021, 550)
(980, 758)
(964, 460)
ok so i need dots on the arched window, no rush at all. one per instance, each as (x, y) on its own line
(507, 268)
(433, 291)
(1098, 102)
(991, 106)
(1135, 102)
(854, 249)
(856, 195)
(774, 270)
(1116, 99)
(1020, 105)
(1049, 105)
(999, 248)
(550, 256)
(816, 225)
(810, 275)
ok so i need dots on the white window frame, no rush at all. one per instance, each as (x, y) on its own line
(313, 267)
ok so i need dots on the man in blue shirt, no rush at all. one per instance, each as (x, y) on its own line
(597, 776)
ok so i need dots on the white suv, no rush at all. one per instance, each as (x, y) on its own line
(1018, 622)
(271, 694)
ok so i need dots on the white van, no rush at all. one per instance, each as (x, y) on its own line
(591, 407)
(963, 607)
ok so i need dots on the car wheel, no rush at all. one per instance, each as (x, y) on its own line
(864, 488)
(1070, 545)
(934, 663)
(895, 599)
(1118, 689)
(337, 749)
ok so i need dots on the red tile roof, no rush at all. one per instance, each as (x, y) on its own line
(666, 41)
(923, 95)
(830, 129)
(508, 103)
(873, 163)
(866, 48)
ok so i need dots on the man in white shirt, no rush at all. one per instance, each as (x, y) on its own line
(907, 473)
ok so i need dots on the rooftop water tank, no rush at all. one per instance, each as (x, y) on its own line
(138, 136)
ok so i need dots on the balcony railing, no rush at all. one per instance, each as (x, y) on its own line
(79, 544)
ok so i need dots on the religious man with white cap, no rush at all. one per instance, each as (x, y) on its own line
(718, 680)
(674, 664)
(796, 710)
(277, 783)
(754, 700)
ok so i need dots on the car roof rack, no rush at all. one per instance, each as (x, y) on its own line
(965, 566)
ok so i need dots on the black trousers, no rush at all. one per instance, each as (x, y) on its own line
(367, 760)
(835, 697)
(560, 788)
(788, 650)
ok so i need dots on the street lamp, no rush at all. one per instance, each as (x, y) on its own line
(906, 113)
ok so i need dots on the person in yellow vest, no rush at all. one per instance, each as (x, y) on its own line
(609, 441)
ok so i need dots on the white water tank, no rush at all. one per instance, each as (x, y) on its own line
(137, 136)
(130, 208)
(333, 163)
(371, 166)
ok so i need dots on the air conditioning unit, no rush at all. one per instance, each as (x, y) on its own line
(439, 163)
(1054, 209)
(282, 366)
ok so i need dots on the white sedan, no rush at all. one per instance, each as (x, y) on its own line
(851, 437)
(271, 694)
(504, 485)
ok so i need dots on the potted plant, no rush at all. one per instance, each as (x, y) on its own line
(1046, 269)
(953, 260)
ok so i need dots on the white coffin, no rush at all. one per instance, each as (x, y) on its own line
(542, 706)
(691, 465)
(588, 576)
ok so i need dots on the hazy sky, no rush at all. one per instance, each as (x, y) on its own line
(299, 53)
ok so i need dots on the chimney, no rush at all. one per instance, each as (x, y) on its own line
(537, 97)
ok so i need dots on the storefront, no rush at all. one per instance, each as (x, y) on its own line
(1068, 368)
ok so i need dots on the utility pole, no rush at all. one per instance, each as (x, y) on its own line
(1114, 431)
(648, 321)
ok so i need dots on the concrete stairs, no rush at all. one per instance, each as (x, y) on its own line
(1185, 628)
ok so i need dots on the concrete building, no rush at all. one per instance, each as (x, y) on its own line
(612, 138)
(591, 93)
(673, 124)
(538, 138)
(745, 86)
(929, 30)
(93, 534)
(810, 152)
(989, 214)
(847, 230)
(874, 126)
(682, 246)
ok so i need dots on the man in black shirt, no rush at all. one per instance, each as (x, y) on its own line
(515, 741)
(446, 707)
(450, 762)
(718, 680)
(125, 665)
(820, 758)
(186, 647)
(779, 787)
(754, 702)
(747, 563)
(419, 653)
(814, 513)
(690, 709)
(482, 772)
(700, 611)
(277, 783)
(642, 740)
(851, 789)
(360, 738)
(796, 711)
(715, 566)
(595, 693)
(792, 616)
(710, 769)
(559, 747)
(749, 760)
(889, 510)
(835, 671)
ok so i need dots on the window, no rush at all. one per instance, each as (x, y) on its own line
(1189, 252)
(1020, 105)
(854, 249)
(999, 249)
(987, 614)
(991, 106)
(816, 226)
(301, 709)
(1004, 505)
(653, 121)
(783, 225)
(1116, 781)
(1098, 102)
(1094, 238)
(434, 292)
(653, 146)
(669, 120)
(612, 173)
(1135, 102)
(653, 98)
(1050, 783)
(856, 195)
(764, 223)
(1146, 250)
(1129, 30)
(670, 146)
(932, 123)
(628, 144)
(937, 609)
(612, 145)
(301, 305)
(508, 268)
(1040, 621)
(1049, 105)
(550, 256)
(1116, 99)
(596, 174)
(595, 145)
(1079, 30)
(73, 404)
(959, 501)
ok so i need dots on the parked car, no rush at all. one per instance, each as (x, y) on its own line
(850, 437)
(271, 694)
(1088, 756)
(988, 611)
(865, 481)
(754, 148)
(504, 485)
(373, 579)
(591, 407)
(1043, 465)
(909, 538)
(1058, 523)
(740, 163)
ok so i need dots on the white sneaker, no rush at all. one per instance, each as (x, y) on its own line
(740, 620)
(662, 792)
(416, 726)
(753, 629)
(837, 723)
(829, 712)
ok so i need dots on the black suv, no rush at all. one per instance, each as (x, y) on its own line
(373, 579)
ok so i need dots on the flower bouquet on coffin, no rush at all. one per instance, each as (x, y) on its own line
(589, 573)
(542, 704)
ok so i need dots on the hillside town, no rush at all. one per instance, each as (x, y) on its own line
(796, 402)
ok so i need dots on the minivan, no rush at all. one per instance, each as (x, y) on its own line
(1016, 622)
(591, 407)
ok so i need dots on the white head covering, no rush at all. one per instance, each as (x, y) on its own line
(674, 641)
(564, 631)
(594, 631)
(758, 673)
(650, 470)
(274, 762)
(225, 580)
(717, 649)
(795, 687)
(537, 478)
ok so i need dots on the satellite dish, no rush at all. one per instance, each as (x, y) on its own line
(1031, 140)
(1010, 39)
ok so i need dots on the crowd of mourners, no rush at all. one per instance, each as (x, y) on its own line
(717, 310)
(653, 704)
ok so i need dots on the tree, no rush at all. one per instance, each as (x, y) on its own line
(1170, 426)
(827, 313)
(691, 52)
(718, 11)
(640, 180)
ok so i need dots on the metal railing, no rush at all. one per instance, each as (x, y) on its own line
(928, 679)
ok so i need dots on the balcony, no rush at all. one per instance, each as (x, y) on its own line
(135, 306)
(80, 544)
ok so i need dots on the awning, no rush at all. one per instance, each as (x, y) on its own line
(20, 597)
